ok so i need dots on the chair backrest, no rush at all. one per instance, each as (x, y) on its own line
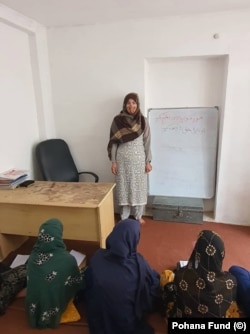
(55, 161)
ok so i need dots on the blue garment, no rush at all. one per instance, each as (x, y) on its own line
(120, 285)
(242, 276)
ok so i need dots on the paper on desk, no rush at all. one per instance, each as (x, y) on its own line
(78, 256)
(19, 260)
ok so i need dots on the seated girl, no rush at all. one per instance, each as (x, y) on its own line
(202, 288)
(53, 277)
(121, 287)
(12, 282)
(243, 287)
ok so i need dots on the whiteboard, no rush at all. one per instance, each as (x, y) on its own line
(184, 151)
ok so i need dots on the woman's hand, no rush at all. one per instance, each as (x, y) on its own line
(114, 168)
(148, 167)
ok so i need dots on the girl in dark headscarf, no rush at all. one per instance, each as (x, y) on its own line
(12, 281)
(121, 286)
(202, 288)
(53, 277)
(130, 155)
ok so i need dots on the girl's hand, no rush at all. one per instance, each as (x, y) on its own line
(148, 167)
(114, 168)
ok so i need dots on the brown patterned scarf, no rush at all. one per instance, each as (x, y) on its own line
(126, 127)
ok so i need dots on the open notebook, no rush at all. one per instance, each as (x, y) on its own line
(80, 257)
(19, 260)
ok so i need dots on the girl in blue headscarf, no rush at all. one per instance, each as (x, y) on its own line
(121, 288)
(242, 276)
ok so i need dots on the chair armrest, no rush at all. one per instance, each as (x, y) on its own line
(91, 173)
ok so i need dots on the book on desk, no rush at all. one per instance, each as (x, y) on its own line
(12, 178)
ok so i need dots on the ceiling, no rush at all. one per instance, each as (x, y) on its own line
(56, 13)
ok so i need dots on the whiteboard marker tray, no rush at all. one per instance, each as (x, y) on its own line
(178, 209)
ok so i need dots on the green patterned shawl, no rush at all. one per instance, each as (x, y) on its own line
(53, 277)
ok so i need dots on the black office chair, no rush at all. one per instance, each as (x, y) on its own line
(56, 163)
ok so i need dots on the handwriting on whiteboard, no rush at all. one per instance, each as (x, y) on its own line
(186, 125)
(165, 117)
(185, 130)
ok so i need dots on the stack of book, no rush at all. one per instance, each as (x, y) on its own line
(11, 178)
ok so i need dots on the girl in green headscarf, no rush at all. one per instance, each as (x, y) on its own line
(53, 277)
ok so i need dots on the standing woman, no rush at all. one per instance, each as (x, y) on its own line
(130, 154)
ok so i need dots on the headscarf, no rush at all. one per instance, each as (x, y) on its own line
(203, 289)
(123, 240)
(53, 277)
(122, 247)
(50, 237)
(119, 275)
(208, 254)
(126, 127)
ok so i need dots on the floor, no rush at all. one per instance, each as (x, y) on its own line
(162, 243)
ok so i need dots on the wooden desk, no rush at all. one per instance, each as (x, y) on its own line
(85, 209)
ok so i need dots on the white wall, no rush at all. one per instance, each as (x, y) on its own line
(25, 105)
(93, 67)
(17, 93)
(186, 82)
